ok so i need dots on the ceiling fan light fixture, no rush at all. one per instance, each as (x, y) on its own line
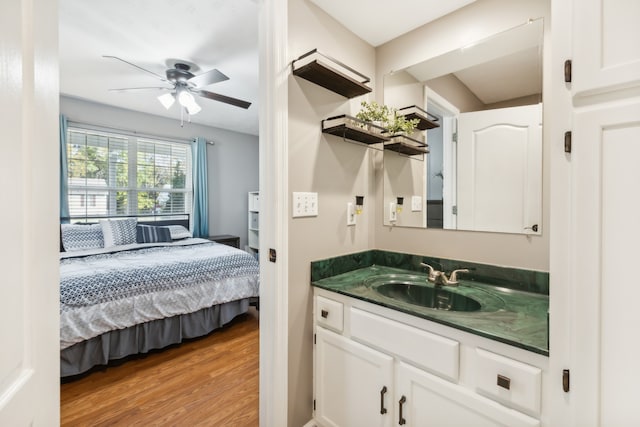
(167, 100)
(186, 99)
(193, 108)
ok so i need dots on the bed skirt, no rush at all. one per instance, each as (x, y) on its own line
(142, 338)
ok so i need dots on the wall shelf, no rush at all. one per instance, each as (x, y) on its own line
(253, 229)
(405, 145)
(354, 129)
(427, 121)
(330, 74)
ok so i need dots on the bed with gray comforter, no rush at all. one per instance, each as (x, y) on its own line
(134, 298)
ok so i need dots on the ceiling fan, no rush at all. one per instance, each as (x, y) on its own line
(184, 85)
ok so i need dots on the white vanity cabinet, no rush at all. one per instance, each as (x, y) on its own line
(353, 382)
(380, 367)
(432, 401)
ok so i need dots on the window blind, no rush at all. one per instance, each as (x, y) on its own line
(112, 174)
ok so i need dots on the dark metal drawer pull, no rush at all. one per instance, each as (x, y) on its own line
(324, 313)
(504, 382)
(401, 419)
(383, 410)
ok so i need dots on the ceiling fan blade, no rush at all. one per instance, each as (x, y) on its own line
(208, 78)
(138, 67)
(125, 89)
(223, 98)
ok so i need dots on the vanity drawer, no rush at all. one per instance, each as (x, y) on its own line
(431, 352)
(329, 313)
(508, 381)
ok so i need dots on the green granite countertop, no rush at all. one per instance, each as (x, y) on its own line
(510, 316)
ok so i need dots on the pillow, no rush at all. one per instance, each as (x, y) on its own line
(76, 237)
(152, 234)
(179, 232)
(119, 231)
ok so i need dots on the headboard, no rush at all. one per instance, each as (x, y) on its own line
(157, 220)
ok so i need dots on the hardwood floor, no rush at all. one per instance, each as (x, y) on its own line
(211, 381)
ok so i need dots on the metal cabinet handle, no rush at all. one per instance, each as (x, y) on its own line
(383, 410)
(401, 419)
(504, 382)
(324, 313)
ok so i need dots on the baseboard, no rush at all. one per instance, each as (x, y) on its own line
(311, 423)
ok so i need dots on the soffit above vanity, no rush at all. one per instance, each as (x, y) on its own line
(378, 21)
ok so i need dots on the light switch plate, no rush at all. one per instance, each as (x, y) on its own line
(305, 204)
(416, 203)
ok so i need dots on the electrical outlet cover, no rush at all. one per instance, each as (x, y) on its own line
(416, 203)
(351, 214)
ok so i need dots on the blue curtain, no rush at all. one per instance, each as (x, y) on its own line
(64, 189)
(200, 194)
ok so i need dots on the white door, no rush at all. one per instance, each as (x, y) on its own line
(606, 52)
(29, 290)
(605, 370)
(499, 170)
(597, 236)
(423, 399)
(353, 383)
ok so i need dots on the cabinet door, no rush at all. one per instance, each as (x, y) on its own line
(605, 352)
(606, 53)
(349, 382)
(432, 401)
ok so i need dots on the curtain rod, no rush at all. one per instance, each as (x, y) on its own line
(130, 132)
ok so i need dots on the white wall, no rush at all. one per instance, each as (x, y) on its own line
(474, 22)
(232, 160)
(335, 169)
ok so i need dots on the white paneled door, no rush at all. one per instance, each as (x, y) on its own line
(605, 369)
(606, 54)
(499, 169)
(595, 255)
(29, 289)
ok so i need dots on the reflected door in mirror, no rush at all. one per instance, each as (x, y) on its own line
(499, 178)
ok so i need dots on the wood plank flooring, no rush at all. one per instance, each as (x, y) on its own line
(211, 381)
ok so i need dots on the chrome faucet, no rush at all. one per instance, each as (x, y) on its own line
(439, 278)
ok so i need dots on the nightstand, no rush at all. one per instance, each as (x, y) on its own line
(226, 239)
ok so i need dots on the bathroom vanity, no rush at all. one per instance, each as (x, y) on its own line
(383, 357)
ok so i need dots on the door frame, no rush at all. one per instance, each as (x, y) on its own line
(273, 44)
(449, 113)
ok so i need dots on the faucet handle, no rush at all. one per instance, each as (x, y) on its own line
(431, 271)
(453, 278)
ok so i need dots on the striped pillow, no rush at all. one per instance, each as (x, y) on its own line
(152, 234)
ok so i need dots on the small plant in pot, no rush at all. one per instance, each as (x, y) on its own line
(399, 125)
(375, 113)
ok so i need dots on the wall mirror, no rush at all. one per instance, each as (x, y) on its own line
(484, 169)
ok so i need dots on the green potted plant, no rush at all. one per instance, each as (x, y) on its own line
(399, 125)
(387, 118)
(375, 113)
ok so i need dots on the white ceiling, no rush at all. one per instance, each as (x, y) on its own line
(220, 34)
(503, 67)
(378, 21)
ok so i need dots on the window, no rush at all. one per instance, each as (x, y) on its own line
(111, 174)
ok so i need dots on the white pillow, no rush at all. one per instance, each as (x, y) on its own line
(76, 237)
(119, 231)
(179, 232)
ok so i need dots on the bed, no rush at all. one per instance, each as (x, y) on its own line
(128, 298)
